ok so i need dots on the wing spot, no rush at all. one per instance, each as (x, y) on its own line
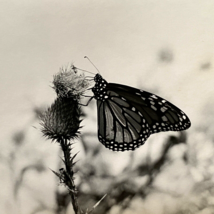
(164, 118)
(163, 101)
(133, 109)
(184, 117)
(163, 109)
(154, 96)
(153, 107)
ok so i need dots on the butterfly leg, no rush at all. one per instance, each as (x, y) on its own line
(87, 102)
(85, 95)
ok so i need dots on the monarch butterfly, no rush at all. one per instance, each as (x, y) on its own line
(128, 116)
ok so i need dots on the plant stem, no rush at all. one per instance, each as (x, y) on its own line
(69, 173)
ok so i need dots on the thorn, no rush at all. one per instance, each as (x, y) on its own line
(97, 204)
(62, 160)
(56, 173)
(74, 157)
(74, 163)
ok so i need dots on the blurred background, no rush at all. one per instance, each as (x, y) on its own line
(165, 47)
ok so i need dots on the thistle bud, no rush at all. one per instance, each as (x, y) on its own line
(61, 120)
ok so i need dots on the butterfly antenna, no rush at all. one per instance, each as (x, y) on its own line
(92, 63)
(75, 68)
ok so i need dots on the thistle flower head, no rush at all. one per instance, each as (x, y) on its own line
(61, 120)
(67, 83)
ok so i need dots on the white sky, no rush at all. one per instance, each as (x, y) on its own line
(122, 38)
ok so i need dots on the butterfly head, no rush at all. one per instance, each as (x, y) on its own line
(98, 78)
(99, 88)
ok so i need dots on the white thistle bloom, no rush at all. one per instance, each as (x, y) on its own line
(68, 83)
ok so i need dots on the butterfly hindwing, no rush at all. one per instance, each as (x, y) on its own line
(120, 127)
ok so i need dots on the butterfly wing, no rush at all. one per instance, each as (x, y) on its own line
(119, 128)
(128, 116)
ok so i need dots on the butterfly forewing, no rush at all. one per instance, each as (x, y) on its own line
(160, 114)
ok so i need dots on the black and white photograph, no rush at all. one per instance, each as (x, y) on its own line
(107, 107)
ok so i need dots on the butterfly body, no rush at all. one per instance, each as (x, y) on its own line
(128, 116)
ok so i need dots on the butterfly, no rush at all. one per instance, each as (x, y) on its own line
(128, 116)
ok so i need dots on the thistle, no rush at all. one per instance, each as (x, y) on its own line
(61, 123)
